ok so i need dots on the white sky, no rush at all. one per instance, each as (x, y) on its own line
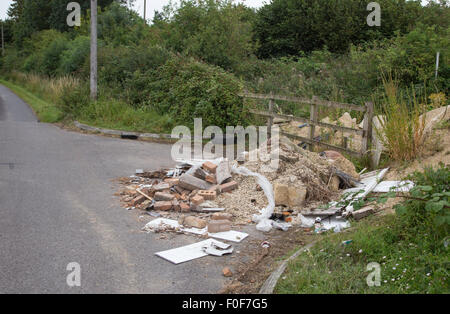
(152, 5)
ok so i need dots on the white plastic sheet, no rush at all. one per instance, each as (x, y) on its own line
(263, 222)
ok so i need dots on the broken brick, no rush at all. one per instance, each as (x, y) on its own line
(226, 187)
(211, 178)
(162, 205)
(215, 226)
(221, 216)
(138, 200)
(184, 207)
(209, 166)
(172, 181)
(207, 194)
(197, 199)
(227, 272)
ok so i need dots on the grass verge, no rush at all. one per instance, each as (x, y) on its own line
(406, 266)
(45, 111)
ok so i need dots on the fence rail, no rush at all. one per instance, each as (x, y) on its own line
(314, 102)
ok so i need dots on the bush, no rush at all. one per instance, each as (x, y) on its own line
(186, 89)
(75, 59)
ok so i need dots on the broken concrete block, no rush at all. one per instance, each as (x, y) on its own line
(209, 166)
(161, 196)
(215, 226)
(363, 212)
(226, 187)
(193, 222)
(221, 216)
(289, 195)
(223, 172)
(197, 199)
(191, 183)
(281, 194)
(162, 205)
(207, 194)
(297, 195)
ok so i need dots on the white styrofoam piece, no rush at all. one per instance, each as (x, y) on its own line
(397, 186)
(234, 236)
(188, 252)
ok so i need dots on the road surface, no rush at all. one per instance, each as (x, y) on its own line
(57, 207)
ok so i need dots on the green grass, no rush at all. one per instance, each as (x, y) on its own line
(45, 111)
(408, 262)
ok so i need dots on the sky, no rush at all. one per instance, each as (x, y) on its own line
(152, 5)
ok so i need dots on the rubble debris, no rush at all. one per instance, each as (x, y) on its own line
(161, 196)
(227, 187)
(396, 186)
(207, 194)
(221, 216)
(197, 199)
(222, 172)
(218, 249)
(209, 166)
(162, 205)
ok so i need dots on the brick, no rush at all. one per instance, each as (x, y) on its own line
(191, 183)
(207, 194)
(184, 207)
(209, 166)
(161, 196)
(163, 205)
(172, 181)
(200, 173)
(221, 216)
(230, 186)
(138, 200)
(227, 272)
(211, 178)
(215, 226)
(197, 199)
(215, 188)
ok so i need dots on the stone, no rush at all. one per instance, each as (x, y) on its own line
(347, 121)
(176, 205)
(161, 186)
(172, 181)
(334, 183)
(296, 195)
(281, 194)
(289, 195)
(184, 207)
(193, 222)
(227, 272)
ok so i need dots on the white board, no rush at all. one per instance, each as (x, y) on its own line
(188, 252)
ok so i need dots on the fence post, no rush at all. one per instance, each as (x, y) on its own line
(367, 128)
(313, 116)
(270, 118)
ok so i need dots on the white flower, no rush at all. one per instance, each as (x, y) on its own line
(360, 251)
(394, 268)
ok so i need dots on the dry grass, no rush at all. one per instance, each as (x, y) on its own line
(402, 128)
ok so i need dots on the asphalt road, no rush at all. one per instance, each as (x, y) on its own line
(57, 207)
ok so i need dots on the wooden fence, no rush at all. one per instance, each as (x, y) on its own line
(314, 102)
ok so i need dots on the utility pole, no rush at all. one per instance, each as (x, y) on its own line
(437, 65)
(145, 10)
(3, 42)
(94, 49)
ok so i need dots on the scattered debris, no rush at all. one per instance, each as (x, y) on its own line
(227, 272)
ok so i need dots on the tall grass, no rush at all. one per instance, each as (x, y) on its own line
(402, 127)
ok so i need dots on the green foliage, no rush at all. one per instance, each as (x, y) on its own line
(186, 89)
(428, 204)
(287, 27)
(74, 60)
(217, 32)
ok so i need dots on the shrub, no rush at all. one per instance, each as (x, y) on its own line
(75, 59)
(187, 89)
